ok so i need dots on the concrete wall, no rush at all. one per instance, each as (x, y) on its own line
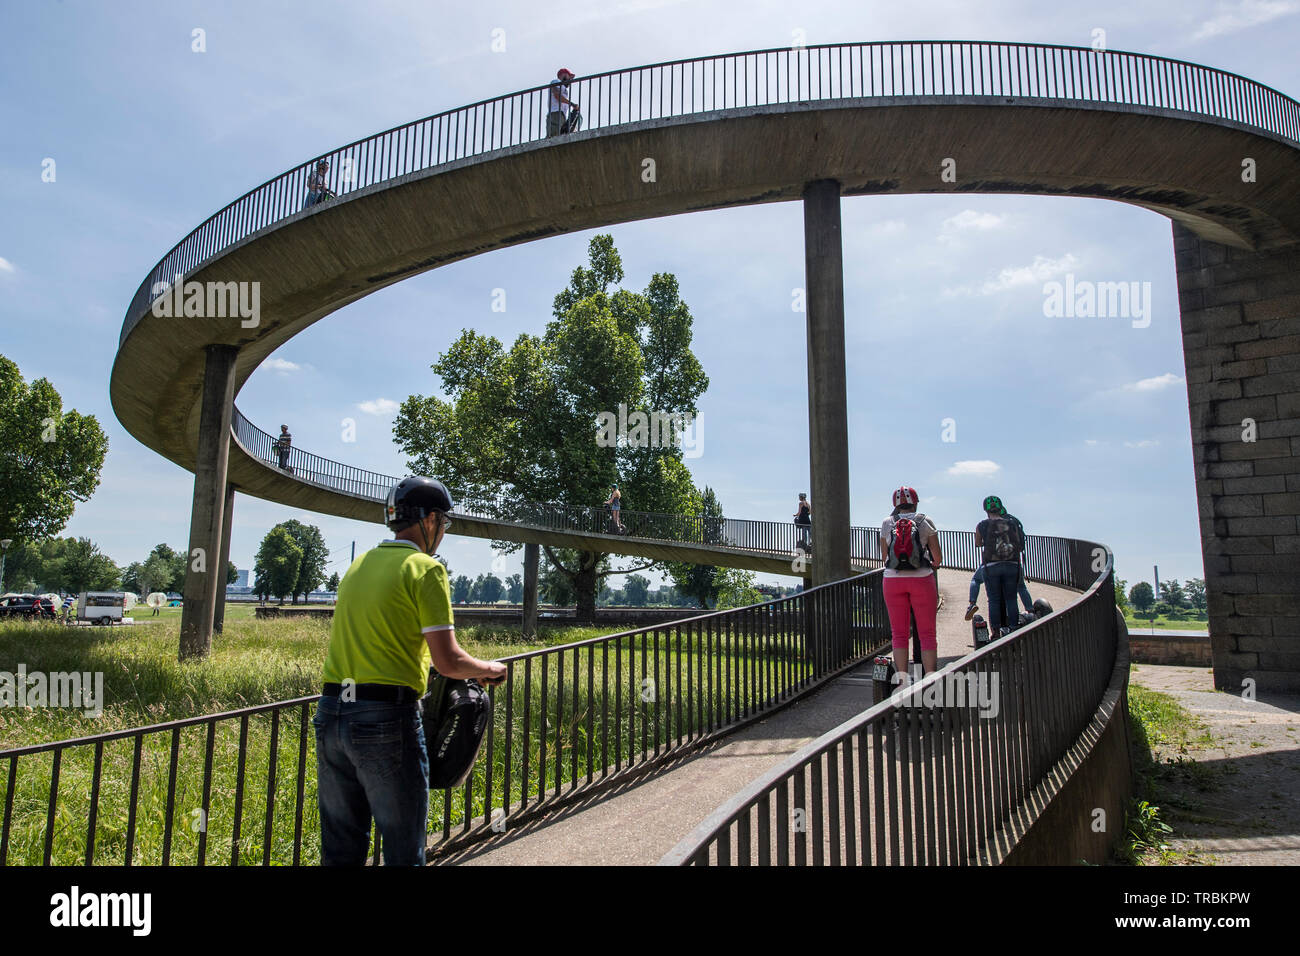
(1241, 344)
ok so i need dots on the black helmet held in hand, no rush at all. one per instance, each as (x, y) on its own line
(413, 499)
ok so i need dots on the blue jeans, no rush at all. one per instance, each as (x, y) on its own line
(978, 578)
(1002, 579)
(313, 197)
(371, 761)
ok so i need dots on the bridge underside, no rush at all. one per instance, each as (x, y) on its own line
(1237, 278)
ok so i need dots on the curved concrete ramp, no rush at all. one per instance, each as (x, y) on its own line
(637, 822)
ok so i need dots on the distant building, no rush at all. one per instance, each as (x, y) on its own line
(241, 578)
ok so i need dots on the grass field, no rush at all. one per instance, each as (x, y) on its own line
(251, 817)
(1164, 624)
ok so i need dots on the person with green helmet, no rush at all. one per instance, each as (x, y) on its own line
(393, 615)
(1002, 540)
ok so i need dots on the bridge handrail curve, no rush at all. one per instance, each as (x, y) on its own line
(883, 69)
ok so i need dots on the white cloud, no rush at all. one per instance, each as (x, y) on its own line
(1154, 384)
(981, 469)
(281, 365)
(1244, 15)
(1040, 270)
(1145, 443)
(6, 265)
(379, 406)
(1092, 441)
(970, 219)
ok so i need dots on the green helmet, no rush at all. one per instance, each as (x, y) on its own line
(994, 504)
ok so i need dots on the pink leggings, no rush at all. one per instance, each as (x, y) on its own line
(905, 595)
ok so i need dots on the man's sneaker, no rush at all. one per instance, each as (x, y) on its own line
(970, 611)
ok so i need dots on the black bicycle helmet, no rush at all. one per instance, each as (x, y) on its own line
(413, 499)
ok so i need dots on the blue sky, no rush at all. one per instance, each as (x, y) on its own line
(149, 138)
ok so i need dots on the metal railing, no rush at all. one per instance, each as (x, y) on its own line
(240, 787)
(984, 71)
(1047, 559)
(934, 774)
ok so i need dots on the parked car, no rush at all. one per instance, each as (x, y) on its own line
(27, 607)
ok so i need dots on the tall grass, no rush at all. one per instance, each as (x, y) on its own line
(591, 709)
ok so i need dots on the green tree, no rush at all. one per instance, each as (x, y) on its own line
(460, 588)
(528, 421)
(24, 567)
(1142, 596)
(174, 580)
(1195, 588)
(315, 556)
(156, 575)
(487, 589)
(86, 569)
(699, 582)
(232, 572)
(49, 459)
(333, 583)
(554, 587)
(279, 563)
(515, 589)
(736, 588)
(636, 589)
(1121, 594)
(1171, 592)
(131, 578)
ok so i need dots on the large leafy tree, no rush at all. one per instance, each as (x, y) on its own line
(635, 590)
(86, 569)
(1195, 588)
(278, 563)
(49, 459)
(315, 556)
(1142, 596)
(521, 424)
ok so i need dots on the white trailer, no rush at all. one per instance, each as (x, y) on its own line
(101, 607)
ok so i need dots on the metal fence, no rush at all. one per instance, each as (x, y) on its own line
(1047, 559)
(977, 70)
(240, 787)
(933, 774)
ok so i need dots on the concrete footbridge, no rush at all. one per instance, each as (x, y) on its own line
(1216, 153)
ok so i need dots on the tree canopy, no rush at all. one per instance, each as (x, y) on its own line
(49, 459)
(522, 424)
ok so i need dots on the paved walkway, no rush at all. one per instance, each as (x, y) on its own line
(638, 822)
(1240, 803)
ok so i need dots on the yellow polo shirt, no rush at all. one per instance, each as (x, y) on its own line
(389, 600)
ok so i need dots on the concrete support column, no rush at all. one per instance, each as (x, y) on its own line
(227, 518)
(828, 429)
(531, 555)
(1241, 344)
(203, 572)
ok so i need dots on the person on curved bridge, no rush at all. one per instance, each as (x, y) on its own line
(803, 520)
(318, 189)
(558, 101)
(392, 617)
(909, 545)
(615, 504)
(1002, 538)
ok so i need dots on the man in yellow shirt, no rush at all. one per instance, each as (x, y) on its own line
(393, 616)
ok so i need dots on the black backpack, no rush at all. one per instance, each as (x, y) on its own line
(455, 715)
(1003, 539)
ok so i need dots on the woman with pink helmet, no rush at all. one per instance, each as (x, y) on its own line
(909, 546)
